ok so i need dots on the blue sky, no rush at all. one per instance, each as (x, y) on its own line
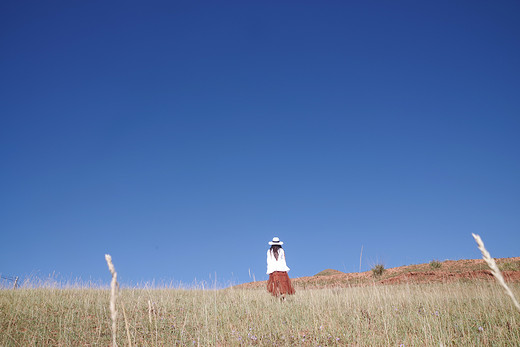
(181, 136)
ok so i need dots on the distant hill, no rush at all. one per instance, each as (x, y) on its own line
(435, 271)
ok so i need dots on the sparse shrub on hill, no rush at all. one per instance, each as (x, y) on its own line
(435, 264)
(378, 270)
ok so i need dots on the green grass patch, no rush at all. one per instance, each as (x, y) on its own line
(509, 266)
(435, 264)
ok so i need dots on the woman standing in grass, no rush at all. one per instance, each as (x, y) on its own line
(279, 282)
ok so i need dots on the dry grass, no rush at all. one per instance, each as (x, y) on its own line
(475, 313)
(494, 269)
(472, 313)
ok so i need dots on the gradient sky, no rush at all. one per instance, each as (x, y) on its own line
(181, 136)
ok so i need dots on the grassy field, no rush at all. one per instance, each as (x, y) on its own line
(461, 314)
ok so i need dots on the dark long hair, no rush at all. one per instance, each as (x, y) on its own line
(275, 249)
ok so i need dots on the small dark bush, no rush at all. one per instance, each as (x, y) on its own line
(378, 270)
(435, 264)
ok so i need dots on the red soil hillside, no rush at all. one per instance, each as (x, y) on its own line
(446, 271)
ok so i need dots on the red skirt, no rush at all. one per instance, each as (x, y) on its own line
(279, 283)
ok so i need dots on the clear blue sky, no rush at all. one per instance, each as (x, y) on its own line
(181, 136)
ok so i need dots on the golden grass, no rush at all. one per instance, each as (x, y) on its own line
(472, 313)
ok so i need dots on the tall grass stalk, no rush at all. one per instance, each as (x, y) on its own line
(494, 269)
(113, 297)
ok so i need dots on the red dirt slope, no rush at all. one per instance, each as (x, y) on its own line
(446, 271)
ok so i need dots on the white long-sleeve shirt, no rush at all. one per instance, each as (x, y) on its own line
(276, 265)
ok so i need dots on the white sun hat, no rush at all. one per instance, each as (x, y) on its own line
(276, 241)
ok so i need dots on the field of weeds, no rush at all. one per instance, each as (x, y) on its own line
(461, 314)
